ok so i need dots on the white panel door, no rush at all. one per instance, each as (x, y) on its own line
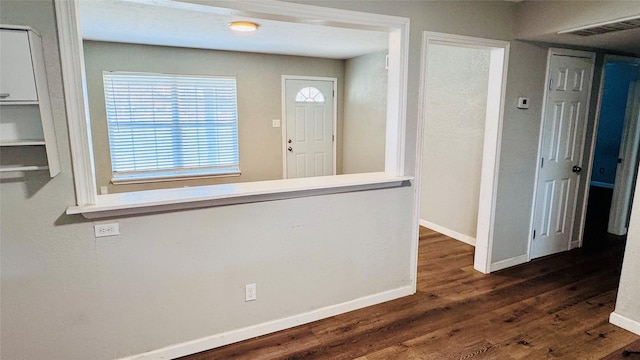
(563, 135)
(309, 127)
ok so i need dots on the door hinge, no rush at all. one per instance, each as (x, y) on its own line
(534, 234)
(541, 162)
(333, 138)
(550, 84)
(333, 94)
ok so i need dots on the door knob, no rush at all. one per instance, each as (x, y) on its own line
(576, 169)
(289, 141)
(290, 148)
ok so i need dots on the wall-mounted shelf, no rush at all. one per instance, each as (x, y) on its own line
(22, 143)
(22, 168)
(6, 102)
(26, 119)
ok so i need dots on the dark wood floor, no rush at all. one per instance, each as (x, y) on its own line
(555, 307)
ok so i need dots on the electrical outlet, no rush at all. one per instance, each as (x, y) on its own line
(275, 123)
(110, 229)
(250, 292)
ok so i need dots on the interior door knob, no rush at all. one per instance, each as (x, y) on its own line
(576, 169)
(290, 148)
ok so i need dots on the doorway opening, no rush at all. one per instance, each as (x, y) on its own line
(463, 82)
(615, 152)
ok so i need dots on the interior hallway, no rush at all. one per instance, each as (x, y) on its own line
(554, 307)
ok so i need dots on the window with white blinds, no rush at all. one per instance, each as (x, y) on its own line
(167, 126)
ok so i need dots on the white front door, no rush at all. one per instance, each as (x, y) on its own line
(309, 117)
(563, 133)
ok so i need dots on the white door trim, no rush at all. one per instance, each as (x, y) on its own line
(589, 164)
(582, 211)
(283, 124)
(492, 136)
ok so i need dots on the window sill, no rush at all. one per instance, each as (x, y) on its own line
(150, 201)
(147, 180)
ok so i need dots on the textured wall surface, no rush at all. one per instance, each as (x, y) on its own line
(627, 302)
(456, 104)
(365, 114)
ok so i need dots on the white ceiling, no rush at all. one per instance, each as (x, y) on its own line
(181, 24)
(175, 23)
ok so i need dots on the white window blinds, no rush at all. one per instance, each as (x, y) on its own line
(165, 126)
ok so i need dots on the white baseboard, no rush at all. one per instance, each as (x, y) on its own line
(214, 341)
(624, 322)
(503, 264)
(450, 233)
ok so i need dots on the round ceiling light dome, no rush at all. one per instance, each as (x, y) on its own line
(243, 26)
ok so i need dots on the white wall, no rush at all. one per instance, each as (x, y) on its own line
(365, 114)
(520, 133)
(455, 112)
(627, 301)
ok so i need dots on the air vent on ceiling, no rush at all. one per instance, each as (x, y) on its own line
(616, 25)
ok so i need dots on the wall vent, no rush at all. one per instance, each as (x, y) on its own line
(603, 28)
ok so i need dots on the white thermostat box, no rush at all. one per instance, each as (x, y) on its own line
(523, 103)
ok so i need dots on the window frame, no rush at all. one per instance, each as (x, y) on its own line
(311, 98)
(174, 173)
(91, 204)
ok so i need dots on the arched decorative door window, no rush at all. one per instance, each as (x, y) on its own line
(310, 94)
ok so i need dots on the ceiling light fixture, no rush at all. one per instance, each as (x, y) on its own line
(243, 26)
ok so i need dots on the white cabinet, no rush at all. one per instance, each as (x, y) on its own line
(18, 83)
(27, 136)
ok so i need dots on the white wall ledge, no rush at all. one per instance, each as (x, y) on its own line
(149, 201)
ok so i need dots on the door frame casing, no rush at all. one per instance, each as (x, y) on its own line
(283, 123)
(498, 69)
(582, 211)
